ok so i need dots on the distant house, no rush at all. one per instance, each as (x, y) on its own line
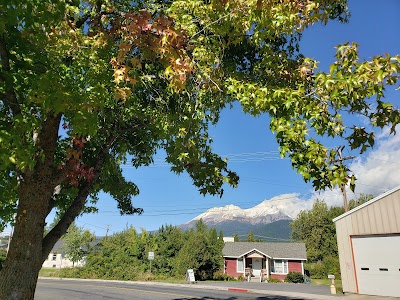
(3, 245)
(275, 260)
(58, 259)
(369, 246)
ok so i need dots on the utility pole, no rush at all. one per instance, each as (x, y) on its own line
(108, 228)
(346, 204)
(343, 186)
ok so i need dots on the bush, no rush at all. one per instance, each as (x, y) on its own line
(316, 270)
(220, 276)
(332, 266)
(294, 277)
(321, 269)
(274, 280)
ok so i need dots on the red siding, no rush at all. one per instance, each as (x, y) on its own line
(231, 266)
(278, 276)
(295, 266)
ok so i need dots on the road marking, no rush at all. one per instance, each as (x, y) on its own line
(238, 290)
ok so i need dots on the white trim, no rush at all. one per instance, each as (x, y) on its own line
(270, 257)
(290, 258)
(243, 265)
(283, 266)
(255, 249)
(367, 203)
(302, 268)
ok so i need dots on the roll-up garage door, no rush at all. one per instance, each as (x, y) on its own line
(377, 263)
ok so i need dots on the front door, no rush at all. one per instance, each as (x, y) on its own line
(257, 265)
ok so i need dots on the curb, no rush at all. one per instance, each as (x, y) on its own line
(237, 290)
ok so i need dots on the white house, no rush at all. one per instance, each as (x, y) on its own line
(58, 259)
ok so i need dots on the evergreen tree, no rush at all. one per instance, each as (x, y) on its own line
(250, 237)
(236, 238)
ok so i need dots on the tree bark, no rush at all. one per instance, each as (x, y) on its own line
(29, 249)
(25, 258)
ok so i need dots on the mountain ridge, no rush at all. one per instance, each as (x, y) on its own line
(269, 220)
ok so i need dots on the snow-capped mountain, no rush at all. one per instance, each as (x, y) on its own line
(283, 207)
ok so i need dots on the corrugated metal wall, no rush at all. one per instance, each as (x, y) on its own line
(379, 217)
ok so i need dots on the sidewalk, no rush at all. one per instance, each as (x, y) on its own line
(305, 291)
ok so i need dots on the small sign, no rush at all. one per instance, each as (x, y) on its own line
(331, 276)
(190, 275)
(151, 256)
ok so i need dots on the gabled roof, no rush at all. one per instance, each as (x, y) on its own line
(59, 245)
(274, 250)
(367, 203)
(255, 251)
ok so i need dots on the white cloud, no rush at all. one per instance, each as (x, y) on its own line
(377, 173)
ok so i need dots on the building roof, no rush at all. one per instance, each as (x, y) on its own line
(59, 245)
(274, 250)
(367, 203)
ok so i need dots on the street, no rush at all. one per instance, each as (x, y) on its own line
(66, 289)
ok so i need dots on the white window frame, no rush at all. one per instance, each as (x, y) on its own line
(284, 266)
(240, 259)
(54, 257)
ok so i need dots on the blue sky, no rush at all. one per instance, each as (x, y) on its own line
(252, 149)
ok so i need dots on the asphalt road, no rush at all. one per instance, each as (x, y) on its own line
(91, 290)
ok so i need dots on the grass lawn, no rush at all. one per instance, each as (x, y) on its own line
(49, 272)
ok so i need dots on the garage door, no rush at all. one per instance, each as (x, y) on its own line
(377, 262)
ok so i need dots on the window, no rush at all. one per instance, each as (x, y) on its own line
(54, 257)
(240, 265)
(279, 266)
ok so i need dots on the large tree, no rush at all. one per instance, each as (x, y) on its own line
(88, 85)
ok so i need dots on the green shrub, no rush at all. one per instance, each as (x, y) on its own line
(332, 266)
(321, 269)
(221, 276)
(316, 270)
(294, 277)
(274, 280)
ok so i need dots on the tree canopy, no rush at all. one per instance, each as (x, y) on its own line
(88, 85)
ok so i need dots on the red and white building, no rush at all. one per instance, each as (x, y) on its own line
(276, 260)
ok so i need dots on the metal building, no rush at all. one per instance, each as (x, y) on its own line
(369, 246)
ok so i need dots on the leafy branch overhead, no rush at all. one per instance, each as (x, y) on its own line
(86, 86)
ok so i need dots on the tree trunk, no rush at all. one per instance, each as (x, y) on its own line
(25, 257)
(28, 248)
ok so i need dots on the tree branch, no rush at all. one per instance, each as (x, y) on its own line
(47, 142)
(77, 205)
(9, 97)
(74, 209)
